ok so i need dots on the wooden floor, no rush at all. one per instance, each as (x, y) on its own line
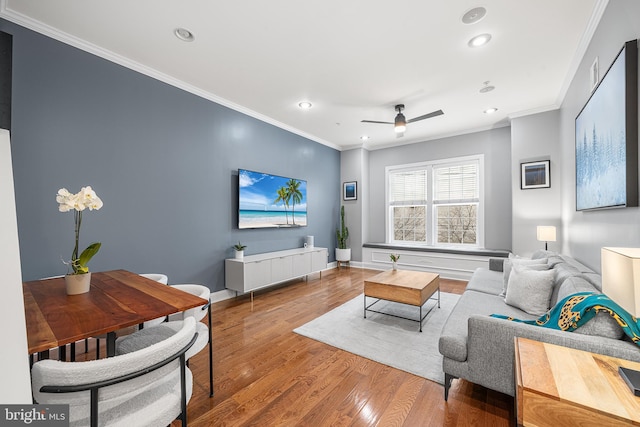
(266, 375)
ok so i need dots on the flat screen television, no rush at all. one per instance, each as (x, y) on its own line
(271, 201)
(607, 138)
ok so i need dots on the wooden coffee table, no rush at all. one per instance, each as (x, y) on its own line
(403, 286)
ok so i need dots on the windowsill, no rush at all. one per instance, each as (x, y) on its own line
(500, 253)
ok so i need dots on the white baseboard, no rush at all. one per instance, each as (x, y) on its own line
(222, 295)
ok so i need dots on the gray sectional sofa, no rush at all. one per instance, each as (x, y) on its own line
(480, 348)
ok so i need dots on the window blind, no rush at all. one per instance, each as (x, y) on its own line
(456, 184)
(408, 188)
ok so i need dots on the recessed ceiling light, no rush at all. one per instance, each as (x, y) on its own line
(480, 40)
(305, 105)
(364, 137)
(474, 15)
(184, 34)
(490, 110)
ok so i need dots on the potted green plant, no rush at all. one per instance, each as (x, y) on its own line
(239, 250)
(343, 253)
(394, 260)
(79, 281)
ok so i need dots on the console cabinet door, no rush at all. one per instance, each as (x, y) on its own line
(301, 264)
(319, 260)
(257, 274)
(281, 268)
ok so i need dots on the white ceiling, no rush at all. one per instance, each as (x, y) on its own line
(352, 59)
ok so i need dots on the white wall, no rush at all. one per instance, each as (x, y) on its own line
(494, 144)
(14, 362)
(535, 138)
(584, 233)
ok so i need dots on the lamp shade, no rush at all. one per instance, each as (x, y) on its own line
(546, 233)
(621, 277)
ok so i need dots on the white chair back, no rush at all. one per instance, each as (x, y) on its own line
(162, 278)
(154, 398)
(199, 312)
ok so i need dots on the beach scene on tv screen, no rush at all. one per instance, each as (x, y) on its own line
(267, 200)
(601, 144)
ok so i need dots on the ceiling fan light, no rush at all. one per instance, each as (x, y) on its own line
(400, 123)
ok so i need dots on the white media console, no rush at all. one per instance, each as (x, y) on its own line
(259, 271)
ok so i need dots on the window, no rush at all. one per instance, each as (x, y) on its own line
(436, 203)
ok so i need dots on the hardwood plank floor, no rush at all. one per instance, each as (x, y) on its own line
(266, 375)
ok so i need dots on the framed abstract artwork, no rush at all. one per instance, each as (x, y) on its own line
(607, 138)
(350, 190)
(535, 175)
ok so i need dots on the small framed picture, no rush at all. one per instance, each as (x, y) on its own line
(350, 190)
(535, 174)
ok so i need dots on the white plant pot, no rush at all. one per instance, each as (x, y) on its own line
(343, 254)
(77, 283)
(240, 255)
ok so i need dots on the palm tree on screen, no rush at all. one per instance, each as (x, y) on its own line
(284, 197)
(293, 189)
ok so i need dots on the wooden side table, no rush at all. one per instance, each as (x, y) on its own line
(561, 386)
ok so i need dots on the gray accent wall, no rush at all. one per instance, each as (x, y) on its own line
(164, 161)
(494, 144)
(584, 233)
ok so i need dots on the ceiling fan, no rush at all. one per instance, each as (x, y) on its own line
(400, 122)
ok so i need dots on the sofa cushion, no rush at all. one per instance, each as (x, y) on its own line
(509, 263)
(595, 279)
(541, 253)
(602, 325)
(530, 290)
(581, 267)
(453, 338)
(572, 285)
(487, 281)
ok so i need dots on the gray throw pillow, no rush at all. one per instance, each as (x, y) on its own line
(530, 290)
(539, 264)
(601, 325)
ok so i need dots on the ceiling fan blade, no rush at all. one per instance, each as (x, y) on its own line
(427, 116)
(373, 121)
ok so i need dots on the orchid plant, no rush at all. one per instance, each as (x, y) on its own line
(85, 199)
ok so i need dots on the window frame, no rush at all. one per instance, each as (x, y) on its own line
(431, 225)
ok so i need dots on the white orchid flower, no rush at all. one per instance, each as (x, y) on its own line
(84, 199)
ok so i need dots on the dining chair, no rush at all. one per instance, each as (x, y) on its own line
(150, 386)
(148, 336)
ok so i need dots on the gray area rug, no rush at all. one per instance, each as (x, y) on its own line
(386, 339)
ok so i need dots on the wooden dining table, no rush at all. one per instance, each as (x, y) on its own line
(116, 300)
